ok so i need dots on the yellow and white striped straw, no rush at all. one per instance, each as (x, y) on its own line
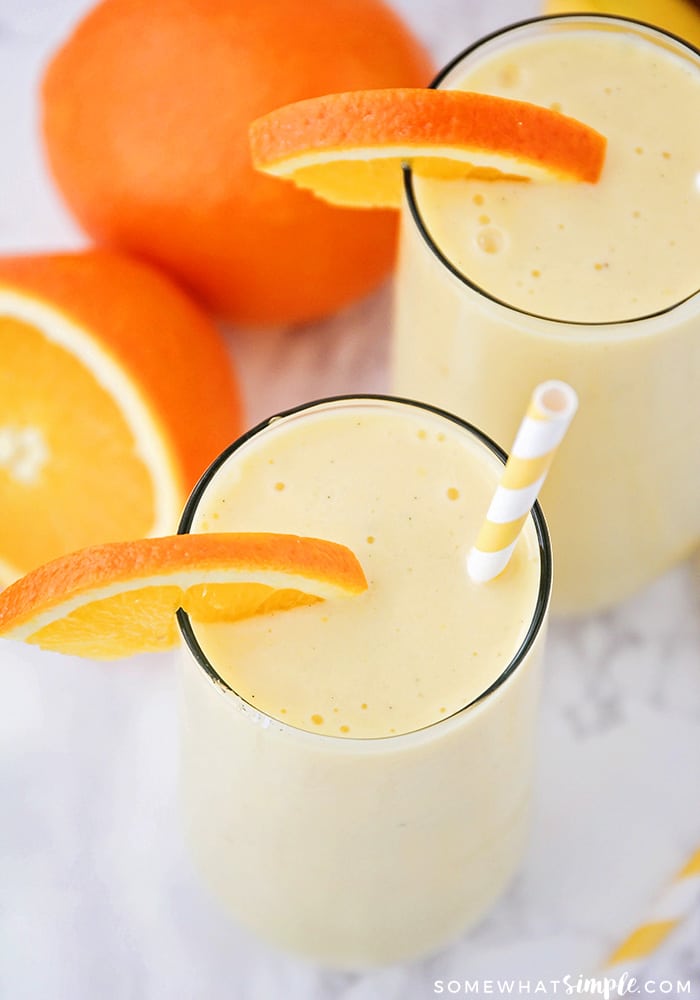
(669, 911)
(551, 410)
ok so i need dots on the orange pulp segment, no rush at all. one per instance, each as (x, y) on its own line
(348, 148)
(118, 599)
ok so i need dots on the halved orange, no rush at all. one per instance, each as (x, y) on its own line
(116, 392)
(114, 600)
(348, 148)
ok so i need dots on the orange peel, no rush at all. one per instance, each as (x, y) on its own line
(114, 600)
(348, 148)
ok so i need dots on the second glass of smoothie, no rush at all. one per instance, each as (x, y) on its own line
(357, 774)
(505, 284)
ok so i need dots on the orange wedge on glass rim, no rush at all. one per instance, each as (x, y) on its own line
(114, 600)
(348, 148)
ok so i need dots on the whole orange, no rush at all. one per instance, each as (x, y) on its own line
(145, 115)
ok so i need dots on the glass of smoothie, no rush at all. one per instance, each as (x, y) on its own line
(504, 284)
(357, 774)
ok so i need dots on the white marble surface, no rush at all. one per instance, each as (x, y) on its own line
(97, 898)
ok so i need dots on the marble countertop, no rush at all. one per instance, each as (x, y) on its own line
(97, 896)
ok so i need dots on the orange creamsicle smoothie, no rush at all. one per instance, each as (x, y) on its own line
(339, 794)
(406, 495)
(505, 284)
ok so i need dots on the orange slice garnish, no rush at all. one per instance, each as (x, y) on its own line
(348, 148)
(111, 601)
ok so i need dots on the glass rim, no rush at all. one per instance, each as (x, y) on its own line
(422, 227)
(541, 535)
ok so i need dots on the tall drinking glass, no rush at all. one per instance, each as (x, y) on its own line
(357, 773)
(504, 284)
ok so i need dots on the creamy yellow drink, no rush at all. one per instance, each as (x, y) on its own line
(357, 773)
(504, 284)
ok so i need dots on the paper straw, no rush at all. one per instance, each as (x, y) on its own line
(551, 410)
(670, 909)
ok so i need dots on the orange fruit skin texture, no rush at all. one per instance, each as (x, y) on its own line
(406, 117)
(165, 342)
(114, 562)
(146, 109)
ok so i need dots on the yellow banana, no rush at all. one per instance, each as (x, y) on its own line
(680, 17)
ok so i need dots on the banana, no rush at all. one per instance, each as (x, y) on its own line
(680, 17)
